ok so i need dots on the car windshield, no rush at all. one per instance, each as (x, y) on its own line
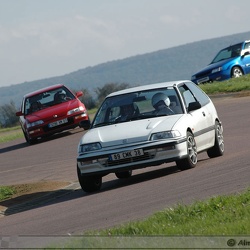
(227, 53)
(47, 99)
(137, 106)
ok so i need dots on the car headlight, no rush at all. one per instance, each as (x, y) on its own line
(165, 135)
(72, 111)
(193, 78)
(33, 124)
(217, 70)
(89, 147)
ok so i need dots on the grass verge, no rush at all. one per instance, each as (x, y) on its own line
(230, 86)
(220, 215)
(224, 215)
(11, 135)
(6, 192)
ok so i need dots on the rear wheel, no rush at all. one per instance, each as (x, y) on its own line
(191, 159)
(236, 72)
(218, 148)
(125, 174)
(89, 183)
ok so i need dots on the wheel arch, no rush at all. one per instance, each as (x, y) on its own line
(238, 66)
(190, 130)
(218, 120)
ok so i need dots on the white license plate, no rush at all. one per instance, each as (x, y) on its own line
(57, 123)
(127, 154)
(205, 79)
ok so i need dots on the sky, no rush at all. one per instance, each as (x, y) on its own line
(44, 38)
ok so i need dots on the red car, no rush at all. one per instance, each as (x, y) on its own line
(50, 110)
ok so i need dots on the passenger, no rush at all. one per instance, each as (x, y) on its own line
(161, 103)
(35, 106)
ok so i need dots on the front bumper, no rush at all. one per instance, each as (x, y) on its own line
(219, 76)
(45, 130)
(155, 153)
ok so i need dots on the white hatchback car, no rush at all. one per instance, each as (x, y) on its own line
(147, 126)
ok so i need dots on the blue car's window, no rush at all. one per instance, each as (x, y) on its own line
(229, 52)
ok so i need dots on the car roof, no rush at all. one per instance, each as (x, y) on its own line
(246, 41)
(39, 91)
(148, 87)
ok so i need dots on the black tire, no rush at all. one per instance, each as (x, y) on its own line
(218, 148)
(236, 72)
(89, 183)
(125, 174)
(191, 160)
(28, 140)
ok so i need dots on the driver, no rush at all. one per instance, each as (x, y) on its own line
(60, 96)
(127, 112)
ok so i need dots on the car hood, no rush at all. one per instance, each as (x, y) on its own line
(56, 111)
(216, 65)
(131, 132)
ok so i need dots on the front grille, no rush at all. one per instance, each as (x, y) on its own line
(203, 74)
(144, 157)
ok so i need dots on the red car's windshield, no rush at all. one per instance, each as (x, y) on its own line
(47, 99)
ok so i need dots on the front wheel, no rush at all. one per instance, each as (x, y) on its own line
(125, 174)
(29, 140)
(89, 183)
(218, 148)
(191, 159)
(236, 72)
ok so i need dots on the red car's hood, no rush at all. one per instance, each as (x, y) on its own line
(56, 111)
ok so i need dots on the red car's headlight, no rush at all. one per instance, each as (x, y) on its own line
(33, 124)
(72, 111)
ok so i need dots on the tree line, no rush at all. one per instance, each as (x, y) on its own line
(8, 116)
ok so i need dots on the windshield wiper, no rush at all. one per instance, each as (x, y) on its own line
(102, 124)
(142, 116)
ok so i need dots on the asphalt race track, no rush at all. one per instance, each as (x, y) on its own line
(121, 201)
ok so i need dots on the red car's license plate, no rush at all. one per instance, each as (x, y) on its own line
(57, 123)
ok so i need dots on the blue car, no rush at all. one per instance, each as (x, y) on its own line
(233, 61)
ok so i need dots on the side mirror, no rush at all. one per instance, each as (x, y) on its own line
(79, 93)
(85, 124)
(246, 53)
(194, 106)
(19, 113)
